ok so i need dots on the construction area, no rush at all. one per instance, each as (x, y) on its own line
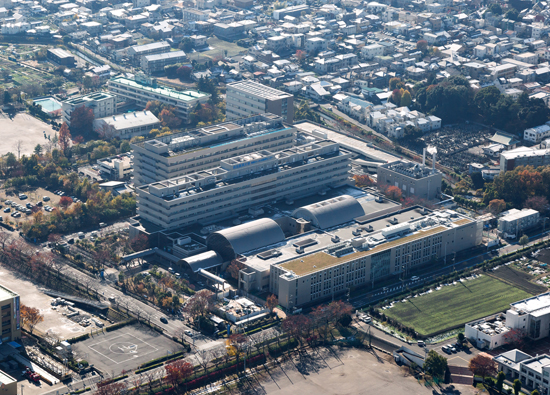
(455, 144)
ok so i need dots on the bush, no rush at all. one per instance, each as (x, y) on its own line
(149, 368)
(78, 338)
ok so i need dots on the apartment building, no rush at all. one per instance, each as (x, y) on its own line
(413, 179)
(532, 371)
(190, 151)
(137, 51)
(155, 63)
(102, 103)
(241, 183)
(11, 320)
(140, 90)
(248, 97)
(344, 261)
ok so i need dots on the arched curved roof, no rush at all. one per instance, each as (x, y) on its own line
(205, 260)
(331, 212)
(246, 237)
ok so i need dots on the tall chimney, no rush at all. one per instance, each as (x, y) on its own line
(433, 160)
(424, 157)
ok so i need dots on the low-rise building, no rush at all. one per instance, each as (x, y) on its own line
(137, 51)
(537, 134)
(141, 90)
(115, 167)
(513, 222)
(127, 125)
(61, 57)
(103, 104)
(10, 310)
(412, 179)
(524, 156)
(155, 63)
(8, 385)
(246, 98)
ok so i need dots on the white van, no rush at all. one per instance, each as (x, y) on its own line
(421, 343)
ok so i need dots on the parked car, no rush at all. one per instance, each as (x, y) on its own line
(163, 320)
(7, 210)
(46, 198)
(22, 196)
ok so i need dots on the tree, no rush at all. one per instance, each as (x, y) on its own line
(535, 392)
(305, 112)
(406, 99)
(199, 304)
(65, 202)
(169, 119)
(38, 150)
(512, 14)
(271, 302)
(82, 121)
(516, 386)
(422, 45)
(108, 387)
(538, 203)
(139, 243)
(435, 364)
(294, 326)
(237, 343)
(64, 137)
(178, 371)
(515, 337)
(300, 55)
(30, 316)
(483, 366)
(496, 206)
(362, 180)
(495, 9)
(460, 338)
(234, 267)
(396, 83)
(393, 193)
(523, 240)
(500, 381)
(184, 72)
(18, 146)
(87, 82)
(155, 107)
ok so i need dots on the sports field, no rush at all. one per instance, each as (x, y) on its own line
(455, 305)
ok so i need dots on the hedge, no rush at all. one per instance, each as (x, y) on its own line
(162, 359)
(81, 391)
(149, 368)
(79, 338)
(119, 325)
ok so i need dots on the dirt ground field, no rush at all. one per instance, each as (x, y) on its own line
(34, 196)
(518, 279)
(31, 296)
(341, 371)
(25, 128)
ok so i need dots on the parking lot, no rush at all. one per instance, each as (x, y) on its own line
(33, 196)
(125, 348)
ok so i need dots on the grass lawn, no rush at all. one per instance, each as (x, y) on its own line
(218, 46)
(455, 305)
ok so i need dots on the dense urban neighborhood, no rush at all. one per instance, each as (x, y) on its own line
(274, 197)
